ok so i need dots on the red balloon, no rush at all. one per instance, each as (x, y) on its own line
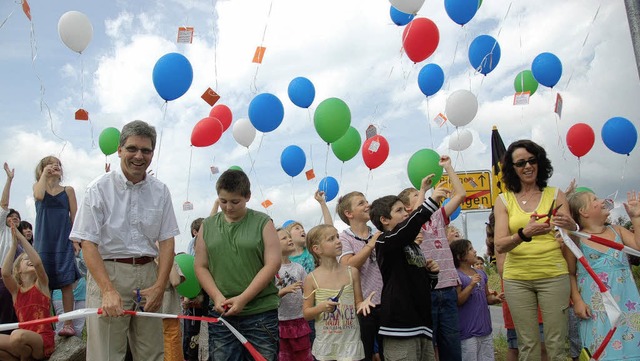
(206, 132)
(223, 114)
(580, 139)
(420, 39)
(375, 151)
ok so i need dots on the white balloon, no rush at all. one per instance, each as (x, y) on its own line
(460, 140)
(75, 30)
(407, 6)
(461, 107)
(243, 132)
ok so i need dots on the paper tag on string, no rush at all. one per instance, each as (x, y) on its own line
(558, 107)
(521, 98)
(266, 204)
(214, 170)
(440, 119)
(371, 131)
(187, 206)
(185, 34)
(259, 54)
(27, 9)
(310, 174)
(210, 96)
(82, 114)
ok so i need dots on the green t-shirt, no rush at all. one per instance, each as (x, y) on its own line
(236, 255)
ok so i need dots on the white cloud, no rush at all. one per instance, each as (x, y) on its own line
(348, 50)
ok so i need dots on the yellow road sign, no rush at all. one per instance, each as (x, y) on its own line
(478, 187)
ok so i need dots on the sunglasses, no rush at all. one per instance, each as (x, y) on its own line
(522, 163)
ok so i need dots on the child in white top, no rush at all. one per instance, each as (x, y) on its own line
(295, 343)
(334, 298)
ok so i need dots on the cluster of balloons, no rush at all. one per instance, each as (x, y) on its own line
(75, 30)
(209, 129)
(618, 134)
(109, 140)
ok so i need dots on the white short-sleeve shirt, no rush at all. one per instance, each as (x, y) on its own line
(125, 219)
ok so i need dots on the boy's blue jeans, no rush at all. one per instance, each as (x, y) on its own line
(444, 315)
(261, 330)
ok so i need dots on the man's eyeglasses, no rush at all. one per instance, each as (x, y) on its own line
(522, 163)
(134, 150)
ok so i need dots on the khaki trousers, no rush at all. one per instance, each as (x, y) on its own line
(107, 337)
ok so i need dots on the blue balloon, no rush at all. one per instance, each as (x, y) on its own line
(329, 186)
(172, 76)
(461, 11)
(484, 54)
(430, 79)
(619, 135)
(266, 112)
(301, 92)
(293, 160)
(399, 18)
(547, 69)
(455, 213)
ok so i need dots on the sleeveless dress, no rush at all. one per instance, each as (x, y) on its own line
(30, 305)
(613, 269)
(51, 240)
(337, 333)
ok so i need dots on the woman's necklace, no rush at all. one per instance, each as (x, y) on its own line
(601, 232)
(524, 201)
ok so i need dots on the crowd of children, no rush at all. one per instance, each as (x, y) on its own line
(412, 290)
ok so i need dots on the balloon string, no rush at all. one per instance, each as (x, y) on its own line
(455, 52)
(579, 172)
(366, 189)
(164, 117)
(560, 141)
(326, 161)
(189, 172)
(341, 191)
(16, 3)
(583, 44)
(293, 195)
(255, 172)
(215, 45)
(43, 103)
(429, 123)
(264, 34)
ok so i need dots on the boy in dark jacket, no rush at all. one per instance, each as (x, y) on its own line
(405, 317)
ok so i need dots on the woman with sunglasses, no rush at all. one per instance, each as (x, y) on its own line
(535, 271)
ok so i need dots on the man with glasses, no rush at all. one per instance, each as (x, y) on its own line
(123, 214)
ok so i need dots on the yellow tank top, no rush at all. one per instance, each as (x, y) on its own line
(540, 258)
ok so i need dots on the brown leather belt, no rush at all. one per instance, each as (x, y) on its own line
(132, 260)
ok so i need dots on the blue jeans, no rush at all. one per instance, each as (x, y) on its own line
(261, 330)
(444, 315)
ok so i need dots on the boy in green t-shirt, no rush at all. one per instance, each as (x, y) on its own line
(237, 258)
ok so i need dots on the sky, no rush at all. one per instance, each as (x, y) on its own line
(348, 49)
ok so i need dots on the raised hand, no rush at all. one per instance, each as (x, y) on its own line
(633, 204)
(426, 182)
(10, 172)
(445, 161)
(319, 196)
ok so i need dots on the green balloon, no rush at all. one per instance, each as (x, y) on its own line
(236, 167)
(584, 189)
(525, 81)
(109, 140)
(332, 119)
(190, 287)
(421, 164)
(348, 145)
